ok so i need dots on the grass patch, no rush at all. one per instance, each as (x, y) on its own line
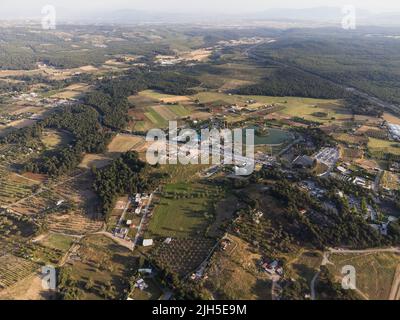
(58, 241)
(53, 139)
(234, 274)
(184, 210)
(374, 272)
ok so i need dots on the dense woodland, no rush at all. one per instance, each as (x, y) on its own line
(125, 175)
(360, 105)
(22, 48)
(349, 59)
(320, 226)
(92, 124)
(286, 81)
(82, 123)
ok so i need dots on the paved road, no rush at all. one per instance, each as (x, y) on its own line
(312, 285)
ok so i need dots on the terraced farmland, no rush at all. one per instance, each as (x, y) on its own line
(14, 269)
(36, 204)
(13, 188)
(73, 224)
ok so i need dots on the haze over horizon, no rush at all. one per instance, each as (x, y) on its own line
(26, 8)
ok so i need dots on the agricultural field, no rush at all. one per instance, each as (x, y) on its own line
(391, 118)
(36, 203)
(73, 224)
(385, 146)
(179, 172)
(121, 143)
(152, 96)
(351, 138)
(29, 288)
(159, 115)
(182, 256)
(233, 75)
(124, 143)
(14, 187)
(154, 110)
(184, 210)
(75, 194)
(14, 269)
(375, 272)
(293, 105)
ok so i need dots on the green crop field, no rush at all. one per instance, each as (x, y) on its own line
(378, 145)
(184, 210)
(155, 118)
(179, 110)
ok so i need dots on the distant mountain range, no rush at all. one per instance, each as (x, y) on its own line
(311, 14)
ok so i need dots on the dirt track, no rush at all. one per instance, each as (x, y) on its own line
(395, 291)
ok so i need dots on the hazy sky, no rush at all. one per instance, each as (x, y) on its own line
(228, 6)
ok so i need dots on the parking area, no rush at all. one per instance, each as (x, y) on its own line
(328, 156)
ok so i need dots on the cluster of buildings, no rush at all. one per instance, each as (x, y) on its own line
(312, 188)
(135, 206)
(271, 266)
(244, 41)
(35, 100)
(141, 284)
(382, 227)
(328, 156)
(8, 118)
(344, 173)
